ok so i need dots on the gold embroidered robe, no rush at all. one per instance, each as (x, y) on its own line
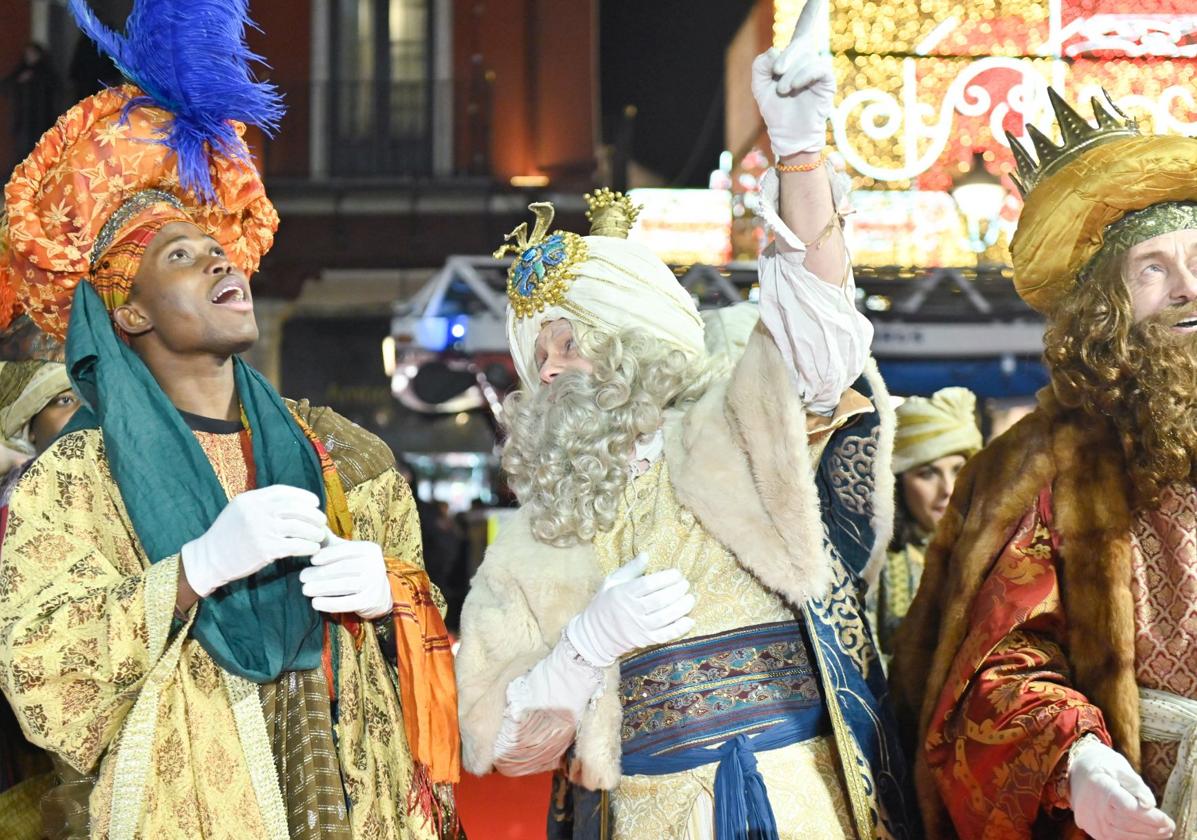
(805, 791)
(179, 747)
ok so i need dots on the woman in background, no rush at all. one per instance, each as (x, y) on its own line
(935, 436)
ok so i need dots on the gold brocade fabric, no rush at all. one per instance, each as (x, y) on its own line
(84, 622)
(20, 817)
(296, 706)
(227, 459)
(1164, 575)
(804, 787)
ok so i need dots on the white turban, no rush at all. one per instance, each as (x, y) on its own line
(615, 285)
(933, 428)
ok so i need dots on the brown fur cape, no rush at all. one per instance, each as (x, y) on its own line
(1081, 462)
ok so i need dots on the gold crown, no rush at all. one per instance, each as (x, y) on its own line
(1078, 135)
(610, 213)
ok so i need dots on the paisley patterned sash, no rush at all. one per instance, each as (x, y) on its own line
(722, 698)
(702, 691)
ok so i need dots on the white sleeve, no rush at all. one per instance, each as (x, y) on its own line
(544, 707)
(822, 336)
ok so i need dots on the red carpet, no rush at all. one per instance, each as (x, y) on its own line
(498, 807)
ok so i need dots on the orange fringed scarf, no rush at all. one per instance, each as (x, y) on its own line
(427, 688)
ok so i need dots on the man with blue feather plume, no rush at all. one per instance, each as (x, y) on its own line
(213, 609)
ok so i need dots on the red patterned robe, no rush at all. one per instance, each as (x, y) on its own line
(1001, 730)
(1002, 727)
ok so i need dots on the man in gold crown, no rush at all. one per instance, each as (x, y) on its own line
(213, 612)
(673, 616)
(1047, 662)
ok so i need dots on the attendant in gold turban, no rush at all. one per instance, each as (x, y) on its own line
(1046, 663)
(36, 401)
(935, 436)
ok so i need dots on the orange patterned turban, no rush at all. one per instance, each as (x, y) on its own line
(98, 156)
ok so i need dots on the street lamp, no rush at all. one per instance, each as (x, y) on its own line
(979, 195)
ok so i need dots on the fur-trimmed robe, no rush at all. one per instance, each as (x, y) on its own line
(1081, 464)
(739, 462)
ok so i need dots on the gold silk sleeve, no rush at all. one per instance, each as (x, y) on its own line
(384, 512)
(83, 617)
(376, 760)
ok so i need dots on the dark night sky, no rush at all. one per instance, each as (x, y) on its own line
(666, 58)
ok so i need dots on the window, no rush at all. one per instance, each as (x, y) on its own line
(379, 97)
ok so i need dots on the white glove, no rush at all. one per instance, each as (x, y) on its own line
(255, 529)
(1109, 800)
(795, 88)
(632, 611)
(348, 576)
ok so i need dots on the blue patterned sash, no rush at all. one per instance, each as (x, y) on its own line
(722, 698)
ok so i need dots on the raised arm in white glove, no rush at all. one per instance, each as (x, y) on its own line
(348, 576)
(795, 92)
(255, 529)
(632, 610)
(1109, 799)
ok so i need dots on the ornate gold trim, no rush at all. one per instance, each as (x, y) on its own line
(858, 797)
(136, 741)
(259, 758)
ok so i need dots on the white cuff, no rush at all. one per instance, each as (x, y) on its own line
(561, 684)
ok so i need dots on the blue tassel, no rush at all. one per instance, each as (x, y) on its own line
(191, 59)
(742, 808)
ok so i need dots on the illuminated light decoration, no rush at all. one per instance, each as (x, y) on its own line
(979, 195)
(684, 227)
(1132, 35)
(907, 227)
(922, 85)
(389, 355)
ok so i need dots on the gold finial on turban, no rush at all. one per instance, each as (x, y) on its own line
(1078, 135)
(610, 213)
(544, 213)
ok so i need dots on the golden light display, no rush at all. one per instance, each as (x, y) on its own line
(925, 84)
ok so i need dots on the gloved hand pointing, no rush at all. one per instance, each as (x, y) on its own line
(632, 611)
(255, 529)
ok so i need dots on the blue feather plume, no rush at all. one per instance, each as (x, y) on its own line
(191, 59)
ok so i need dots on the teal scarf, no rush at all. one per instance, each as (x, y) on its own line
(258, 627)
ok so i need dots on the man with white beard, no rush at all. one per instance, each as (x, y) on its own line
(673, 617)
